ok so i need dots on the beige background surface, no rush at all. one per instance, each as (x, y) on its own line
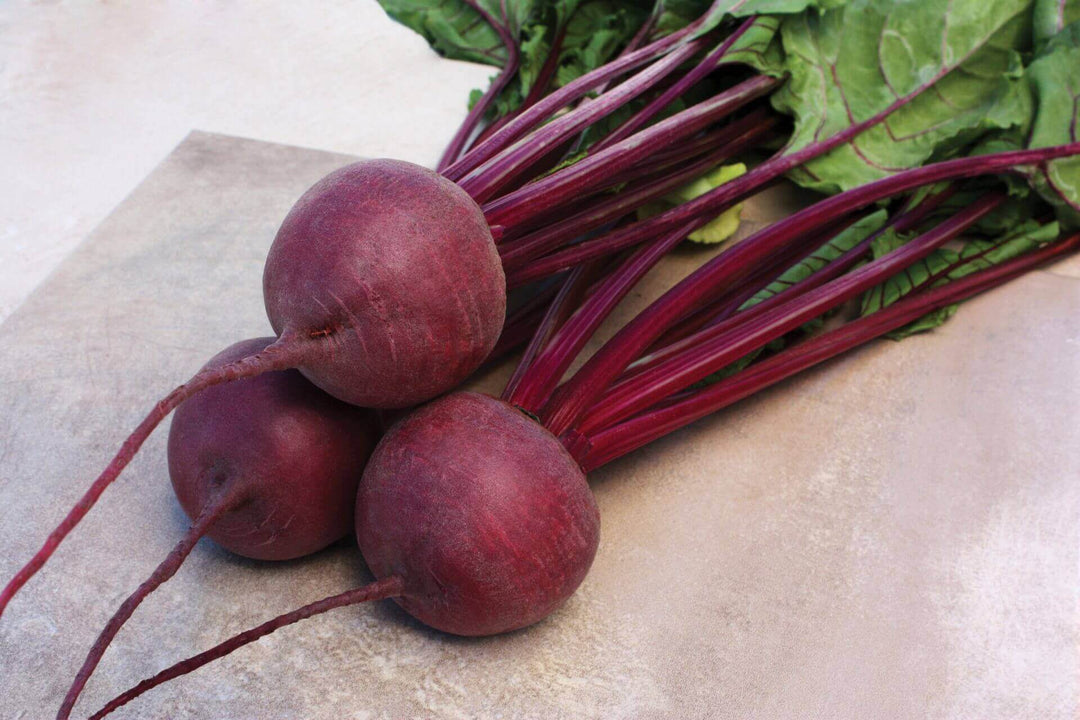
(893, 535)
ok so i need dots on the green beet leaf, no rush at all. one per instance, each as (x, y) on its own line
(719, 10)
(595, 34)
(1052, 16)
(595, 31)
(856, 62)
(948, 264)
(455, 30)
(1054, 76)
(829, 251)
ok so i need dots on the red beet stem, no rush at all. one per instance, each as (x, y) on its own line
(730, 314)
(565, 303)
(517, 334)
(468, 127)
(720, 309)
(523, 321)
(168, 567)
(636, 42)
(484, 183)
(687, 81)
(286, 353)
(739, 136)
(663, 162)
(536, 92)
(536, 386)
(708, 352)
(739, 262)
(702, 209)
(388, 587)
(542, 196)
(578, 88)
(614, 442)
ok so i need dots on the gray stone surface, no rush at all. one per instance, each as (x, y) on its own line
(893, 535)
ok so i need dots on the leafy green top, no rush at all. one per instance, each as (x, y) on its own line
(593, 31)
(1055, 84)
(944, 71)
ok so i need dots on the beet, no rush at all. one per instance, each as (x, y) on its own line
(393, 268)
(481, 511)
(472, 517)
(296, 454)
(476, 519)
(267, 467)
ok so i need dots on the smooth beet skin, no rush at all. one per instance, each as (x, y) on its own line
(294, 454)
(395, 267)
(482, 513)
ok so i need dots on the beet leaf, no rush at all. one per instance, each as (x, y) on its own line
(852, 63)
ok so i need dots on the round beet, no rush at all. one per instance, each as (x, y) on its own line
(267, 466)
(294, 453)
(482, 513)
(395, 266)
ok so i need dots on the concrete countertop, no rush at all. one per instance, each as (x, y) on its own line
(893, 535)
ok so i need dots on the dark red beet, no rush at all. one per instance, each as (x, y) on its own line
(481, 511)
(297, 453)
(397, 266)
(267, 466)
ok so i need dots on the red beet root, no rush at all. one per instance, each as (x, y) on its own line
(385, 289)
(481, 511)
(268, 467)
(396, 267)
(473, 517)
(294, 454)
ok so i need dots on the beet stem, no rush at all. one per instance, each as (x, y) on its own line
(224, 503)
(664, 161)
(536, 387)
(544, 195)
(722, 308)
(547, 72)
(465, 131)
(709, 351)
(285, 353)
(728, 301)
(687, 81)
(516, 334)
(566, 301)
(388, 587)
(614, 442)
(519, 251)
(578, 88)
(702, 209)
(536, 92)
(636, 42)
(731, 315)
(485, 182)
(736, 263)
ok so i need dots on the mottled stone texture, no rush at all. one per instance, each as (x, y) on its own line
(893, 535)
